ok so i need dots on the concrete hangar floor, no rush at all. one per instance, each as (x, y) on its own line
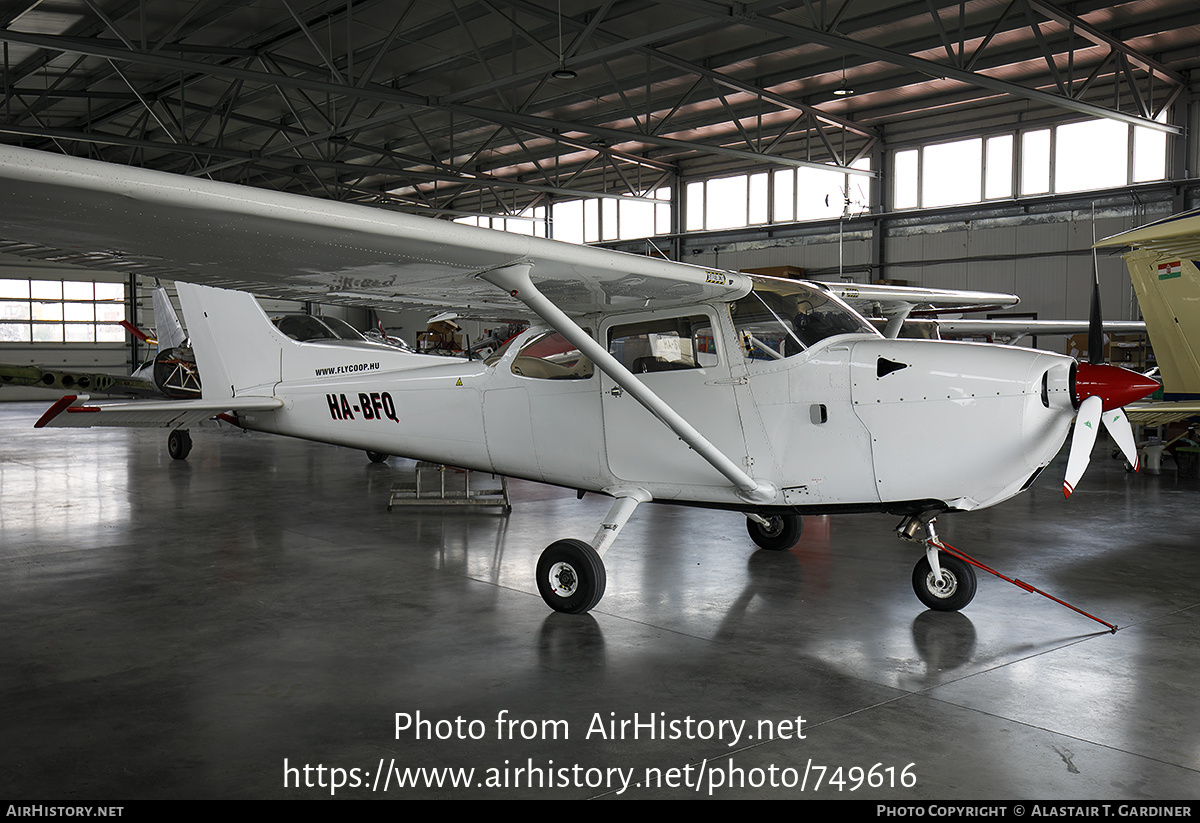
(251, 623)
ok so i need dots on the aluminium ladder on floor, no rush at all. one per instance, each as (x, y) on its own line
(437, 484)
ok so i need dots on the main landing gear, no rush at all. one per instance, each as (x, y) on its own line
(776, 532)
(179, 444)
(570, 573)
(570, 576)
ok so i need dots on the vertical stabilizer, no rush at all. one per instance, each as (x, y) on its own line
(237, 349)
(1168, 291)
(167, 329)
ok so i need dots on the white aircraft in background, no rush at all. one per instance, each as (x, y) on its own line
(169, 373)
(642, 379)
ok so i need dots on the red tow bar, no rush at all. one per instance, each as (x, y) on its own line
(1019, 583)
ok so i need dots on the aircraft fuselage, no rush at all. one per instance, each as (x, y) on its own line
(855, 421)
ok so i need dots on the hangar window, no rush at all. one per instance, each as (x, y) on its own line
(782, 196)
(530, 222)
(627, 217)
(61, 311)
(1072, 157)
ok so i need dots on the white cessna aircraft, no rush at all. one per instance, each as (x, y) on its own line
(642, 379)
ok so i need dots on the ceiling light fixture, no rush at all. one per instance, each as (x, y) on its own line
(843, 90)
(562, 72)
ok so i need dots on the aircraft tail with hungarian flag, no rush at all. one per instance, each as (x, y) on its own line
(1163, 266)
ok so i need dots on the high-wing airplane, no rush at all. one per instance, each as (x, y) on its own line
(641, 379)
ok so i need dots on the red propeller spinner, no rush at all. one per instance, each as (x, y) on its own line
(1114, 385)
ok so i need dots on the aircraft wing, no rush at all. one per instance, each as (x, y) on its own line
(1162, 412)
(1017, 327)
(887, 301)
(71, 380)
(294, 247)
(73, 411)
(1174, 236)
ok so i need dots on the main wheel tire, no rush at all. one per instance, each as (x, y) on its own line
(781, 532)
(570, 576)
(958, 584)
(179, 444)
(377, 457)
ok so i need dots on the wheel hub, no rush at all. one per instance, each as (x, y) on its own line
(563, 579)
(946, 588)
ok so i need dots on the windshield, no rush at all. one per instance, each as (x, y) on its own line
(780, 318)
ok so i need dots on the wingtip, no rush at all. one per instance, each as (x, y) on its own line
(54, 411)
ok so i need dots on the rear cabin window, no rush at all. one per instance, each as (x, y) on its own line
(551, 356)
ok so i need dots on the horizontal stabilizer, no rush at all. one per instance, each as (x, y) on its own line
(73, 410)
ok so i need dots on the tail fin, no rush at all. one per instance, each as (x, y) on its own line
(166, 323)
(1168, 291)
(237, 349)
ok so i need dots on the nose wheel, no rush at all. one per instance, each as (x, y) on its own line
(570, 576)
(952, 592)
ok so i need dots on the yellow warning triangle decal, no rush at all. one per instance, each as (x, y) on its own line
(459, 383)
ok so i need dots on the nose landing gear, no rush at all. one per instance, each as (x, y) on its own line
(942, 582)
(944, 578)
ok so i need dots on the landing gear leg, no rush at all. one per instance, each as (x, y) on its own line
(179, 443)
(570, 573)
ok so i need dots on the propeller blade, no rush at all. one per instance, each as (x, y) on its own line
(1122, 434)
(1086, 422)
(1095, 320)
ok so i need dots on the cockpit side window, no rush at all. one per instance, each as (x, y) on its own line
(664, 344)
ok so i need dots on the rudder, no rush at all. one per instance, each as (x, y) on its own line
(1168, 292)
(237, 349)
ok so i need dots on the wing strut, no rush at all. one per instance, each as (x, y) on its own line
(515, 280)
